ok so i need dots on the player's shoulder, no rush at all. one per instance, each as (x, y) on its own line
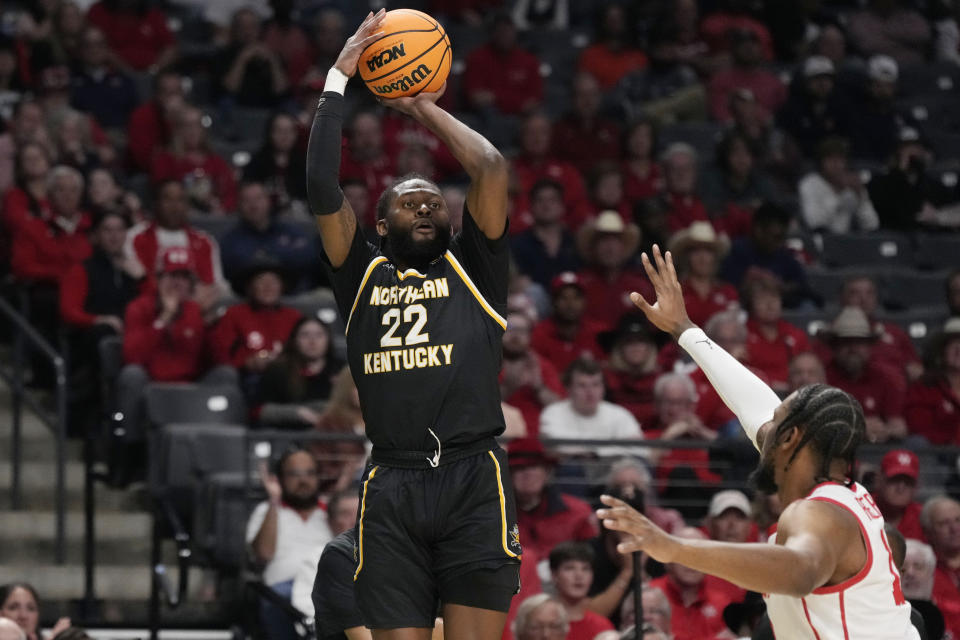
(824, 510)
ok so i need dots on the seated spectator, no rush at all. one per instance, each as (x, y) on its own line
(917, 573)
(514, 93)
(656, 614)
(833, 198)
(584, 136)
(772, 342)
(749, 120)
(746, 72)
(571, 569)
(74, 142)
(151, 124)
(815, 110)
(729, 519)
(535, 162)
(932, 408)
(895, 490)
(53, 96)
(260, 237)
(287, 527)
(684, 206)
(566, 335)
(170, 229)
(735, 187)
(251, 334)
(734, 15)
(527, 380)
(106, 197)
(632, 367)
(546, 248)
(605, 188)
(208, 178)
(251, 73)
(545, 516)
(136, 32)
(612, 54)
(805, 368)
(697, 610)
(278, 165)
(287, 39)
(20, 603)
(541, 617)
(893, 348)
(727, 329)
(27, 197)
(697, 252)
(629, 476)
(892, 28)
(607, 246)
(879, 390)
(765, 250)
(585, 415)
(98, 88)
(642, 176)
(365, 158)
(940, 518)
(328, 31)
(876, 120)
(163, 339)
(613, 572)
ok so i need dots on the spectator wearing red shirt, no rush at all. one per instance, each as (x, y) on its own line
(893, 348)
(642, 176)
(27, 198)
(684, 206)
(209, 179)
(288, 40)
(612, 55)
(805, 368)
(136, 31)
(697, 252)
(632, 367)
(932, 408)
(746, 72)
(501, 75)
(365, 158)
(895, 491)
(729, 519)
(941, 522)
(584, 137)
(546, 516)
(535, 162)
(880, 391)
(734, 15)
(735, 186)
(163, 339)
(571, 569)
(772, 342)
(697, 610)
(566, 335)
(151, 123)
(147, 241)
(527, 380)
(605, 184)
(607, 245)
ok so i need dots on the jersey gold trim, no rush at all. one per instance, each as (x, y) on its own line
(503, 507)
(409, 272)
(363, 506)
(366, 276)
(476, 292)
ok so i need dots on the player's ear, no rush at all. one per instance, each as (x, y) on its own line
(791, 438)
(382, 227)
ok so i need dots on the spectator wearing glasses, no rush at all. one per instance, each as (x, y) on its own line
(541, 617)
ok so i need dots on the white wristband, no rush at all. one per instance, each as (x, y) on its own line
(336, 81)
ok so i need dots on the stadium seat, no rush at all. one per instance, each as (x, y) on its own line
(110, 350)
(906, 290)
(937, 251)
(216, 226)
(880, 248)
(702, 136)
(929, 78)
(222, 506)
(827, 283)
(810, 321)
(169, 403)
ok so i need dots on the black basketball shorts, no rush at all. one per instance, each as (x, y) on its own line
(426, 535)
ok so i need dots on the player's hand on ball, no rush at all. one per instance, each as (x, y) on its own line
(668, 312)
(367, 32)
(644, 535)
(411, 104)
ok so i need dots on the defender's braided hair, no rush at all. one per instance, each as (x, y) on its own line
(832, 422)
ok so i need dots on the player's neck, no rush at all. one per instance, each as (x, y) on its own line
(803, 475)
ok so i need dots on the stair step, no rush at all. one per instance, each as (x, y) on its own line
(121, 552)
(65, 582)
(39, 525)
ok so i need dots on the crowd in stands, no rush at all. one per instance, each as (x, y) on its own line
(152, 180)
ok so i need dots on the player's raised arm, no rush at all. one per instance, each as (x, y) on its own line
(487, 196)
(750, 399)
(335, 217)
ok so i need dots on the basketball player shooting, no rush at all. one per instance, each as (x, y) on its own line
(424, 322)
(830, 574)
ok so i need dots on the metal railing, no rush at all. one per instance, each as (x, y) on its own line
(25, 335)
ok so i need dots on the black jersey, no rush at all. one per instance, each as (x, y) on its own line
(425, 348)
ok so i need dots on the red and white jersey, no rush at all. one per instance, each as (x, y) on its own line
(867, 606)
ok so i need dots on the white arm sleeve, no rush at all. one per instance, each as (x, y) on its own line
(750, 399)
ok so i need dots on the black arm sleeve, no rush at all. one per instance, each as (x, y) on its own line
(323, 156)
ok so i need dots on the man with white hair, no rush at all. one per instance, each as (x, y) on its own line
(917, 573)
(940, 519)
(684, 206)
(656, 611)
(541, 617)
(10, 630)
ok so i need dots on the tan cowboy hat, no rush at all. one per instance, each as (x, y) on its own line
(850, 324)
(608, 221)
(700, 233)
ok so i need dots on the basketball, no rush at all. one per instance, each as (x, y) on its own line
(413, 55)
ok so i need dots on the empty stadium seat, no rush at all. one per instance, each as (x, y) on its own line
(828, 283)
(169, 403)
(810, 321)
(216, 226)
(906, 290)
(110, 351)
(222, 506)
(880, 248)
(937, 251)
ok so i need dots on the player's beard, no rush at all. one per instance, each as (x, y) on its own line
(417, 254)
(764, 477)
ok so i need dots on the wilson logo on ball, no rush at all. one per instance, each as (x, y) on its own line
(405, 83)
(386, 56)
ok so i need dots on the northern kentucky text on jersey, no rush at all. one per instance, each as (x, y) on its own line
(405, 359)
(433, 288)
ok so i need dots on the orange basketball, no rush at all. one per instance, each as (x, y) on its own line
(412, 56)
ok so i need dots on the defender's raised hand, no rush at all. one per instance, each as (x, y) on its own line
(367, 32)
(668, 312)
(644, 535)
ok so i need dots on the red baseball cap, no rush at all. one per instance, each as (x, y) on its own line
(528, 452)
(900, 462)
(176, 259)
(565, 279)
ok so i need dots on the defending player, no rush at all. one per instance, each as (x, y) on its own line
(424, 320)
(830, 575)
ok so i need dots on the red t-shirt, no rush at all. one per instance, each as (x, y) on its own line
(716, 27)
(293, 47)
(147, 132)
(169, 354)
(894, 347)
(43, 251)
(137, 39)
(245, 330)
(587, 627)
(529, 586)
(633, 393)
(513, 77)
(608, 66)
(682, 211)
(585, 144)
(946, 595)
(169, 166)
(909, 524)
(766, 86)
(377, 174)
(933, 411)
(880, 391)
(525, 398)
(721, 297)
(529, 171)
(558, 518)
(773, 356)
(702, 620)
(17, 209)
(637, 187)
(547, 342)
(607, 300)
